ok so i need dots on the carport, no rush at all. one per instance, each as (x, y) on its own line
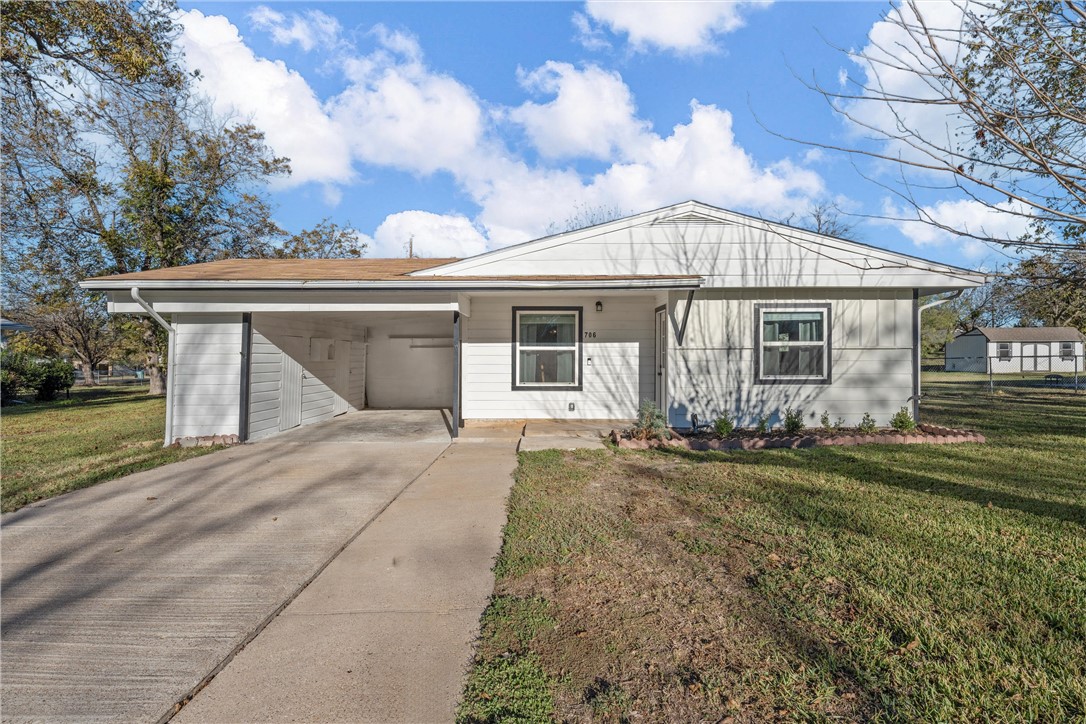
(307, 367)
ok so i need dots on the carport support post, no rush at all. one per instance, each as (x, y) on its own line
(456, 376)
(246, 370)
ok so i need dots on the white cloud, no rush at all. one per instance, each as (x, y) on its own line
(684, 26)
(592, 114)
(278, 100)
(431, 235)
(700, 159)
(397, 112)
(308, 30)
(1006, 221)
(893, 64)
(394, 111)
(590, 36)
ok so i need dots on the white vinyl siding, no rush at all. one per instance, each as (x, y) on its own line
(713, 372)
(286, 345)
(728, 250)
(207, 374)
(617, 365)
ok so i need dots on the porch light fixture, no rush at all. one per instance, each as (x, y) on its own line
(599, 306)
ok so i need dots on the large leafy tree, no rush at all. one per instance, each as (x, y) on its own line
(113, 165)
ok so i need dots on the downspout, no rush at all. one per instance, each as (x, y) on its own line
(172, 332)
(916, 344)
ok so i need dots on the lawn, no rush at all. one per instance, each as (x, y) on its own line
(101, 433)
(882, 583)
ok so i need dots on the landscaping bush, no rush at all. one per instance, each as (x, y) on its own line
(793, 420)
(724, 425)
(828, 426)
(54, 375)
(763, 425)
(903, 421)
(651, 423)
(867, 424)
(18, 372)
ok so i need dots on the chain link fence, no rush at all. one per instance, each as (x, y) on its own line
(1056, 372)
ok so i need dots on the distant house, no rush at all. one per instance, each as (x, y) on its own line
(1016, 349)
(8, 328)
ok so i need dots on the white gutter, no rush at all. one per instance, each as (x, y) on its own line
(446, 284)
(172, 332)
(916, 347)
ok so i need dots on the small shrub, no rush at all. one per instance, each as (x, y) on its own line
(55, 375)
(763, 425)
(651, 424)
(867, 425)
(793, 420)
(18, 372)
(903, 421)
(828, 426)
(724, 425)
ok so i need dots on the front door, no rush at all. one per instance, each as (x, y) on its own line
(290, 411)
(343, 376)
(661, 358)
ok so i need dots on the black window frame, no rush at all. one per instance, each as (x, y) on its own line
(1067, 351)
(578, 344)
(1002, 347)
(827, 325)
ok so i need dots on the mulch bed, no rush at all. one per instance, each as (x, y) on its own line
(746, 440)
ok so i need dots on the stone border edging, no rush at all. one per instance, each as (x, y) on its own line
(935, 436)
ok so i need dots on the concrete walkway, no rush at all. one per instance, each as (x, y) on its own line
(118, 600)
(385, 632)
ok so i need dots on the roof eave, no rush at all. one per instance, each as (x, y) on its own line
(415, 283)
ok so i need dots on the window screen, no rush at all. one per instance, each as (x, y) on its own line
(547, 349)
(793, 345)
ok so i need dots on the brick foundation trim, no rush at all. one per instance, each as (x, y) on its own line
(933, 435)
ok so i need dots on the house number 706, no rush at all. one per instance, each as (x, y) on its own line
(589, 335)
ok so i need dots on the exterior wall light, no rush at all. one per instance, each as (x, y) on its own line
(599, 306)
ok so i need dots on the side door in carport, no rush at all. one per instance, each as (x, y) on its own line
(290, 410)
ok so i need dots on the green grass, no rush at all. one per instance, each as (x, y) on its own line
(886, 583)
(101, 433)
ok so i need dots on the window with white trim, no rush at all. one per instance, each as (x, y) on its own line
(1003, 350)
(547, 348)
(1067, 351)
(793, 343)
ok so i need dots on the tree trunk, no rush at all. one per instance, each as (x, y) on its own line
(88, 376)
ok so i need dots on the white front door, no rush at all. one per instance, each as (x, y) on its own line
(290, 411)
(343, 375)
(661, 359)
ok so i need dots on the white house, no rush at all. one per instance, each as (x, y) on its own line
(8, 328)
(1016, 349)
(700, 309)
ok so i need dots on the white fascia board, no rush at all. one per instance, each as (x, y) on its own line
(415, 284)
(236, 307)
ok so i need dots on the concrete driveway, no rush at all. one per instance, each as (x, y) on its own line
(121, 599)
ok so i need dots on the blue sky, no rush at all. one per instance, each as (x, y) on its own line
(470, 126)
